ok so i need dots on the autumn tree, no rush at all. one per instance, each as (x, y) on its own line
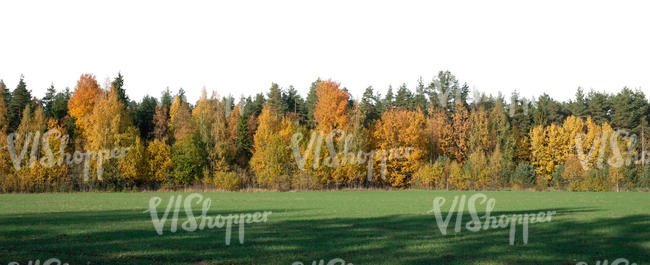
(271, 159)
(82, 101)
(330, 111)
(160, 163)
(111, 128)
(435, 124)
(454, 142)
(5, 162)
(400, 141)
(479, 133)
(179, 119)
(160, 119)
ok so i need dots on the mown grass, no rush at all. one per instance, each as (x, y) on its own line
(361, 227)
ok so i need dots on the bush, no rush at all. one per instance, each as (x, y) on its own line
(430, 175)
(524, 175)
(227, 180)
(596, 180)
(644, 179)
(459, 178)
(572, 176)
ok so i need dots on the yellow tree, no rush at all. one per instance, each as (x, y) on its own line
(233, 121)
(56, 169)
(271, 159)
(223, 149)
(435, 124)
(111, 129)
(179, 119)
(401, 143)
(356, 141)
(455, 135)
(549, 149)
(5, 161)
(477, 168)
(160, 163)
(83, 99)
(330, 109)
(479, 137)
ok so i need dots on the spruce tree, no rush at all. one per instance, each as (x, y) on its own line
(48, 100)
(118, 84)
(20, 98)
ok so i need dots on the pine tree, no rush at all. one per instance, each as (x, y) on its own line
(20, 98)
(371, 106)
(118, 84)
(48, 100)
(144, 116)
(404, 98)
(244, 144)
(310, 103)
(420, 100)
(275, 99)
(166, 100)
(389, 100)
(579, 107)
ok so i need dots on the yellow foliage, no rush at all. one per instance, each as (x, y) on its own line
(83, 99)
(454, 141)
(160, 163)
(399, 137)
(331, 106)
(271, 159)
(458, 179)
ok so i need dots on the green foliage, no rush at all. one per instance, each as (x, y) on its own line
(144, 116)
(371, 105)
(20, 98)
(118, 84)
(188, 161)
(404, 98)
(524, 175)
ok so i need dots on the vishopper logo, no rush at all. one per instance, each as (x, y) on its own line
(48, 160)
(346, 156)
(493, 222)
(191, 225)
(600, 142)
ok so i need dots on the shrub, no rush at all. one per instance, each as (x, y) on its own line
(430, 175)
(644, 179)
(524, 175)
(596, 180)
(227, 180)
(458, 177)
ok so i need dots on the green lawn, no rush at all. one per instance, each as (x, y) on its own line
(360, 227)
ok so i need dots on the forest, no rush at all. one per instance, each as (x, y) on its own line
(436, 135)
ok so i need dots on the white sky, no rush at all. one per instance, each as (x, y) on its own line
(240, 47)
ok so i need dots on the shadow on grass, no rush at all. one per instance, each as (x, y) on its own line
(128, 237)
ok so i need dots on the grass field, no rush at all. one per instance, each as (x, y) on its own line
(360, 227)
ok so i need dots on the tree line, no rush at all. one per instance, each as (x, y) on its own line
(434, 136)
